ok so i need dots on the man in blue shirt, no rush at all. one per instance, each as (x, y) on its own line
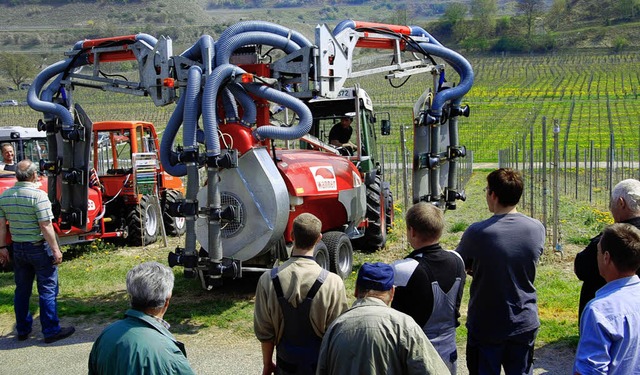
(610, 324)
(501, 254)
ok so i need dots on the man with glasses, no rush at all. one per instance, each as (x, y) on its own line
(625, 208)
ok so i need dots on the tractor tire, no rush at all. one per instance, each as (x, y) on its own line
(321, 254)
(388, 204)
(375, 235)
(280, 250)
(340, 253)
(173, 225)
(142, 223)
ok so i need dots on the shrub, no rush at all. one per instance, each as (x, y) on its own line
(620, 43)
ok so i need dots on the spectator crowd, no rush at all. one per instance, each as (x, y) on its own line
(405, 314)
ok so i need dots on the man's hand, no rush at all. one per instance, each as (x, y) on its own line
(269, 369)
(4, 257)
(57, 256)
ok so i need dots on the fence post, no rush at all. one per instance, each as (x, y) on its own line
(556, 189)
(524, 165)
(610, 166)
(577, 168)
(382, 166)
(516, 156)
(531, 172)
(591, 171)
(397, 174)
(544, 171)
(403, 148)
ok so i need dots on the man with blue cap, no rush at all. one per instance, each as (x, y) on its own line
(372, 338)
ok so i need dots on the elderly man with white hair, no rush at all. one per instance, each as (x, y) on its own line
(625, 208)
(141, 342)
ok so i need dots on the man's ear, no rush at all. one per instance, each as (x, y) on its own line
(622, 203)
(411, 233)
(606, 257)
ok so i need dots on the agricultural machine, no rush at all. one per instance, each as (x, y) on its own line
(114, 209)
(257, 180)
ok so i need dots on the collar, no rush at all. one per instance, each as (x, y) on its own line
(25, 184)
(616, 284)
(368, 301)
(157, 323)
(635, 221)
(304, 257)
(424, 250)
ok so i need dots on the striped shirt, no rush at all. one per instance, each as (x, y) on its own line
(24, 206)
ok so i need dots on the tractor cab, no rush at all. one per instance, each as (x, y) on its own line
(27, 143)
(354, 103)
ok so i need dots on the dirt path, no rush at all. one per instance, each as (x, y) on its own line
(210, 351)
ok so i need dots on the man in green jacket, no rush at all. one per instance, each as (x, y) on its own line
(141, 342)
(373, 338)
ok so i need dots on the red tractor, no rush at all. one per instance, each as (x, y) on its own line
(115, 144)
(226, 94)
(114, 209)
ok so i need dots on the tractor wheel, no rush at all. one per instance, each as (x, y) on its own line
(340, 253)
(142, 223)
(388, 204)
(375, 235)
(321, 254)
(173, 225)
(280, 250)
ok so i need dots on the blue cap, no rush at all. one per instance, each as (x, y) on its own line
(375, 276)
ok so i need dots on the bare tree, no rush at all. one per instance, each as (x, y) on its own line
(18, 67)
(530, 9)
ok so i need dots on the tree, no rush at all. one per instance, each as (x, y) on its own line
(484, 15)
(18, 67)
(557, 14)
(627, 8)
(530, 9)
(454, 14)
(452, 21)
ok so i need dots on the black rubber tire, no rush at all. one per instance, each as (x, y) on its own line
(375, 235)
(388, 204)
(142, 223)
(174, 226)
(321, 254)
(340, 253)
(280, 250)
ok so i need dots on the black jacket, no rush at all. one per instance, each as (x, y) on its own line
(585, 267)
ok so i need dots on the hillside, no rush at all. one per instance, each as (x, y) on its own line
(45, 26)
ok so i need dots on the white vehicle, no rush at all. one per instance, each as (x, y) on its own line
(8, 103)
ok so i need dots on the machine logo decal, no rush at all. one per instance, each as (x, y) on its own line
(91, 205)
(325, 178)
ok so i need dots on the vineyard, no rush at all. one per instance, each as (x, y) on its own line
(593, 96)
